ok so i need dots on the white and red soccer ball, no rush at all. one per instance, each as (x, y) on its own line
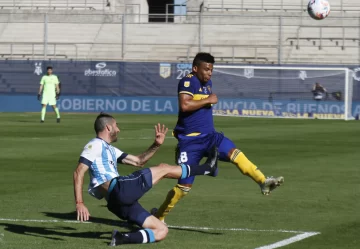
(319, 9)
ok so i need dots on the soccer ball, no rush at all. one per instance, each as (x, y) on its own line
(319, 9)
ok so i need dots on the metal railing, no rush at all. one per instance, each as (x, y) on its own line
(284, 33)
(33, 50)
(54, 4)
(320, 29)
(296, 5)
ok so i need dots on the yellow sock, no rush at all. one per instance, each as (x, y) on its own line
(246, 167)
(172, 198)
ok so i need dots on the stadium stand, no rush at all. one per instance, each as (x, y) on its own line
(240, 31)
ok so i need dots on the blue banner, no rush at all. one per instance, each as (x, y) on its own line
(151, 87)
(142, 79)
(169, 105)
(141, 105)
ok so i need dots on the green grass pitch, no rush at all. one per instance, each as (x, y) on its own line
(318, 158)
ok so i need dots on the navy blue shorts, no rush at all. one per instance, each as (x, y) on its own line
(191, 150)
(124, 193)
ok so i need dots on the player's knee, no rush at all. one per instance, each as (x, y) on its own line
(233, 154)
(163, 165)
(183, 189)
(161, 232)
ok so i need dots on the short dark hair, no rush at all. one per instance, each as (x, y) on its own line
(203, 57)
(49, 67)
(101, 121)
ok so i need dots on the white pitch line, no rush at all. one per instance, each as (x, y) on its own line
(170, 226)
(43, 221)
(288, 241)
(300, 234)
(238, 229)
(119, 139)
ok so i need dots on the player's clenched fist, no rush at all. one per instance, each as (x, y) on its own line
(213, 99)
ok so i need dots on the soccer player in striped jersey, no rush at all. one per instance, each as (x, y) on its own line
(196, 134)
(123, 192)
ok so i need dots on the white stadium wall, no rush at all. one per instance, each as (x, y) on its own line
(233, 35)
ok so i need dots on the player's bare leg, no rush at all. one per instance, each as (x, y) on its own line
(56, 110)
(43, 112)
(184, 170)
(267, 184)
(154, 229)
(180, 191)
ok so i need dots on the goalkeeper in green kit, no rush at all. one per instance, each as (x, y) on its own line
(50, 90)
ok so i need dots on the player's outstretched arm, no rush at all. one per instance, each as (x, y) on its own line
(188, 104)
(82, 211)
(140, 160)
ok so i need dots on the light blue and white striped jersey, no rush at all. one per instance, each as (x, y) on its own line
(102, 159)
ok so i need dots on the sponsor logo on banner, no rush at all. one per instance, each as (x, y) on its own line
(165, 70)
(249, 72)
(100, 65)
(183, 69)
(101, 71)
(355, 74)
(302, 75)
(38, 69)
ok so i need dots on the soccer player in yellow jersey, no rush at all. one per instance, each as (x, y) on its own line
(50, 90)
(196, 134)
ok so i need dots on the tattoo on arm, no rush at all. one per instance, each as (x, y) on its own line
(145, 156)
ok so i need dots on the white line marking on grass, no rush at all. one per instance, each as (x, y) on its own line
(43, 221)
(289, 241)
(141, 138)
(301, 235)
(237, 229)
(119, 138)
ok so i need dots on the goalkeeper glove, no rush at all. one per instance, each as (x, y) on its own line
(39, 96)
(57, 96)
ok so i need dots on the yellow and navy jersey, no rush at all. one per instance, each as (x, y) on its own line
(201, 120)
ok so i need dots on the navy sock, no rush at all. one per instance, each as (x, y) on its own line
(139, 237)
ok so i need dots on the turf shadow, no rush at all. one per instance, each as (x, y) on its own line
(124, 224)
(195, 230)
(49, 233)
(104, 221)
